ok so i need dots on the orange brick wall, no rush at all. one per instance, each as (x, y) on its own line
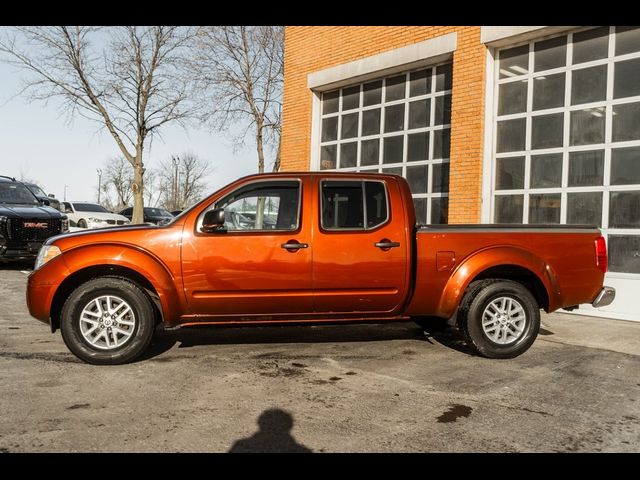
(309, 49)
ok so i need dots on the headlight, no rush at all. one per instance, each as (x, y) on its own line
(46, 253)
(64, 225)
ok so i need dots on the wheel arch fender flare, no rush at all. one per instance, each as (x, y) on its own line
(484, 260)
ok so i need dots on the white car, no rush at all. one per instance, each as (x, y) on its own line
(91, 215)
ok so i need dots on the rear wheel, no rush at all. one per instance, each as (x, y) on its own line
(499, 318)
(107, 321)
(82, 223)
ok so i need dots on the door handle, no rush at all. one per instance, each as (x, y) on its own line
(385, 244)
(294, 245)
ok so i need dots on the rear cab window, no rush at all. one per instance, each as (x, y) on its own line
(353, 205)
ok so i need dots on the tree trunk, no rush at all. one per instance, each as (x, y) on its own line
(137, 187)
(261, 200)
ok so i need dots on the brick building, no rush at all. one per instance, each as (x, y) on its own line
(488, 124)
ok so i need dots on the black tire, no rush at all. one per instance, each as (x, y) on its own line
(82, 223)
(478, 297)
(133, 295)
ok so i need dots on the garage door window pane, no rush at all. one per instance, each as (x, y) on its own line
(550, 54)
(417, 178)
(626, 122)
(625, 166)
(584, 208)
(444, 77)
(544, 208)
(328, 157)
(590, 45)
(330, 129)
(349, 125)
(587, 126)
(418, 147)
(350, 98)
(627, 40)
(372, 93)
(348, 154)
(330, 102)
(548, 91)
(439, 210)
(441, 143)
(370, 152)
(586, 168)
(371, 122)
(510, 173)
(624, 210)
(419, 113)
(443, 110)
(394, 118)
(420, 205)
(625, 83)
(589, 85)
(547, 131)
(419, 83)
(512, 98)
(624, 253)
(546, 170)
(514, 61)
(508, 208)
(395, 88)
(392, 149)
(511, 135)
(440, 176)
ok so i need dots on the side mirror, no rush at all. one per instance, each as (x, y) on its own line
(51, 195)
(213, 221)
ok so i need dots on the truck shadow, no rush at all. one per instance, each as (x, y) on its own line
(164, 341)
(17, 265)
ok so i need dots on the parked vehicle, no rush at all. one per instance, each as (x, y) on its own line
(345, 249)
(42, 197)
(157, 216)
(91, 215)
(24, 223)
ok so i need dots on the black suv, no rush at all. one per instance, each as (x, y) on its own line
(43, 197)
(24, 223)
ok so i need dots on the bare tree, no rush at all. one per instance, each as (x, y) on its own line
(130, 80)
(117, 177)
(182, 180)
(240, 73)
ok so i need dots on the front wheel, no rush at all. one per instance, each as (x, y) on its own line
(107, 321)
(499, 318)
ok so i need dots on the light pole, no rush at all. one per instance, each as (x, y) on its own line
(65, 192)
(99, 170)
(176, 164)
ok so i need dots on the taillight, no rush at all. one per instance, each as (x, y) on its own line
(601, 254)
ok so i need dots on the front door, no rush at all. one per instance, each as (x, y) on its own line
(360, 248)
(254, 266)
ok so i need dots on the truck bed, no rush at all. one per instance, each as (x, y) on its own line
(549, 257)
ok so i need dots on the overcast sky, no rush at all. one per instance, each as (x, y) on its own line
(35, 140)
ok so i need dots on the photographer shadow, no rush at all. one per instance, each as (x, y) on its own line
(273, 436)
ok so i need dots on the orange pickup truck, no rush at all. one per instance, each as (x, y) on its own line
(311, 247)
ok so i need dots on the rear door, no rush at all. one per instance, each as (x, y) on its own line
(360, 250)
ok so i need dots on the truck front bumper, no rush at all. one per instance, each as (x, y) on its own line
(605, 297)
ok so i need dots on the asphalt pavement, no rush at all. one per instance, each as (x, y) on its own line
(357, 388)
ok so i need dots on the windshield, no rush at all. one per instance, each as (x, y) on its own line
(16, 193)
(157, 212)
(90, 207)
(36, 190)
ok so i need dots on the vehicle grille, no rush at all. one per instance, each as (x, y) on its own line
(116, 222)
(18, 232)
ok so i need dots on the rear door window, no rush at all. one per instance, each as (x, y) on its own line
(353, 205)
